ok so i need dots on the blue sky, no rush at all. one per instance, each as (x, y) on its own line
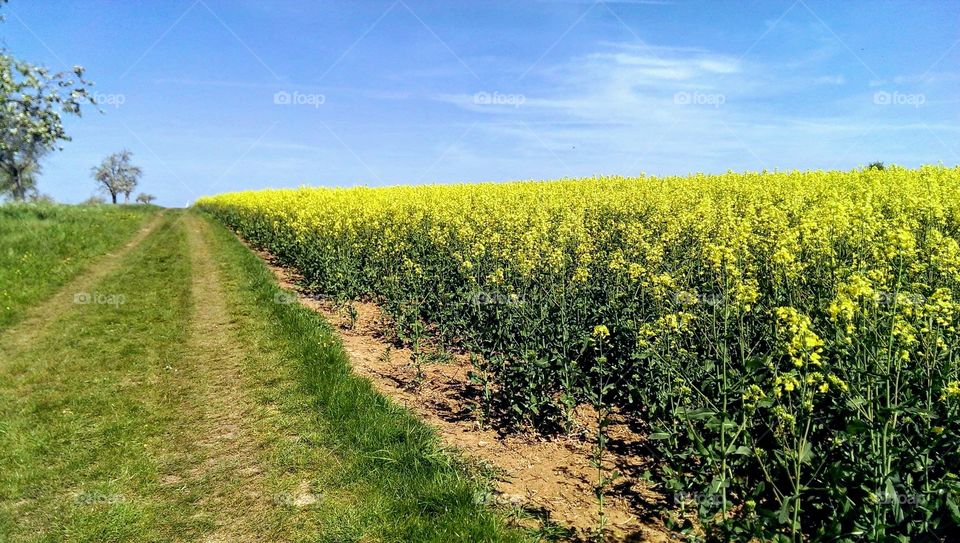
(222, 95)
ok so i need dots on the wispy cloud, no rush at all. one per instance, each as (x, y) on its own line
(624, 106)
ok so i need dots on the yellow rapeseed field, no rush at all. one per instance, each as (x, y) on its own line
(789, 338)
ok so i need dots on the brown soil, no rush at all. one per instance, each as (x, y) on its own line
(553, 477)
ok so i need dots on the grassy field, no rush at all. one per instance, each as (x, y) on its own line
(44, 246)
(184, 400)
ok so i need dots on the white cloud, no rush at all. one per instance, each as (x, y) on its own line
(669, 108)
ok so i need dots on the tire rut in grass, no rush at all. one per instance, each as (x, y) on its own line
(214, 453)
(38, 320)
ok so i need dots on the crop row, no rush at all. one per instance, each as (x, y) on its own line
(789, 338)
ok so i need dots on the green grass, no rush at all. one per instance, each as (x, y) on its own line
(44, 246)
(97, 413)
(78, 409)
(390, 480)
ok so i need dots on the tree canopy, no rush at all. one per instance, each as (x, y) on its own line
(144, 198)
(35, 100)
(117, 175)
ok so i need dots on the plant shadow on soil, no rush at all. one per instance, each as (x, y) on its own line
(544, 478)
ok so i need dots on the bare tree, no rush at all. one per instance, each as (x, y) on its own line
(117, 175)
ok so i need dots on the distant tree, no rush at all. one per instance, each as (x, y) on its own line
(93, 201)
(144, 198)
(117, 175)
(34, 100)
(876, 166)
(39, 198)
